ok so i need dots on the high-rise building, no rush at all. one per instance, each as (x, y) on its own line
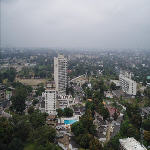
(127, 84)
(60, 74)
(50, 98)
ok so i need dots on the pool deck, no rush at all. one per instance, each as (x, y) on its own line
(70, 118)
(69, 122)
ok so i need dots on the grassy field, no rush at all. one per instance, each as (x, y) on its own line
(32, 82)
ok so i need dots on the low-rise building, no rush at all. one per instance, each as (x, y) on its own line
(146, 111)
(116, 82)
(65, 101)
(51, 120)
(42, 106)
(112, 110)
(108, 94)
(80, 80)
(130, 144)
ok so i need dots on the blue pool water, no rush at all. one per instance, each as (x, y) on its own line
(69, 121)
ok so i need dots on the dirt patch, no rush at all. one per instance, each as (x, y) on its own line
(32, 82)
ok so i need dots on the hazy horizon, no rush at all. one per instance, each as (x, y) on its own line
(86, 24)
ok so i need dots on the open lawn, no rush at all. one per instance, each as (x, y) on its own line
(32, 82)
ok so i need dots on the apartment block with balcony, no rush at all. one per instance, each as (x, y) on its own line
(127, 84)
(60, 73)
(2, 92)
(50, 98)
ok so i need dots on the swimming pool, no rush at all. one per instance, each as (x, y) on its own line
(69, 121)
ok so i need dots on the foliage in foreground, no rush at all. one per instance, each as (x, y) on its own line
(20, 132)
(67, 112)
(85, 132)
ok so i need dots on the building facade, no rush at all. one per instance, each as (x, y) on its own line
(80, 80)
(65, 101)
(50, 98)
(127, 84)
(2, 92)
(130, 144)
(60, 74)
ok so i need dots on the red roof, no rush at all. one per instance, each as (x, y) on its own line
(111, 110)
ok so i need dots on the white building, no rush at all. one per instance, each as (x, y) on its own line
(60, 73)
(108, 94)
(80, 80)
(65, 101)
(130, 144)
(116, 82)
(50, 97)
(127, 84)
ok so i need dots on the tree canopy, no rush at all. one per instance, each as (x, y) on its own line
(18, 100)
(21, 132)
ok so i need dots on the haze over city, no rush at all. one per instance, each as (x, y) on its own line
(75, 23)
(74, 74)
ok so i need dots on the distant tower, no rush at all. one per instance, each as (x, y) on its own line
(60, 74)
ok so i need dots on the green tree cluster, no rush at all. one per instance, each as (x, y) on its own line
(147, 92)
(146, 127)
(39, 90)
(70, 90)
(85, 132)
(133, 112)
(113, 86)
(35, 101)
(130, 127)
(39, 71)
(18, 85)
(20, 95)
(8, 74)
(66, 112)
(97, 95)
(99, 107)
(146, 124)
(18, 100)
(127, 129)
(24, 131)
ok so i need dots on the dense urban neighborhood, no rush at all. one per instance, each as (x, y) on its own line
(74, 100)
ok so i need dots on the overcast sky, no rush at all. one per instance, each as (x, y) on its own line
(76, 23)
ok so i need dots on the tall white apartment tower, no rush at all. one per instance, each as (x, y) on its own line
(60, 74)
